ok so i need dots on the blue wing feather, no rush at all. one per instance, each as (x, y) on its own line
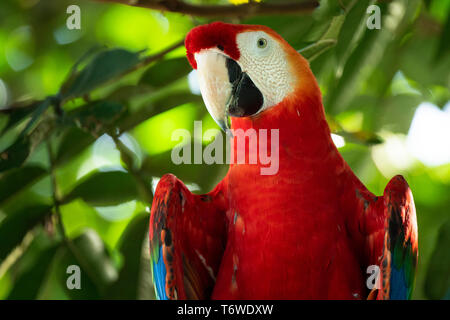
(399, 284)
(159, 276)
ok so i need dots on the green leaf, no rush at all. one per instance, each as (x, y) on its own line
(17, 114)
(396, 113)
(164, 72)
(89, 289)
(160, 104)
(105, 189)
(89, 250)
(97, 271)
(131, 242)
(15, 154)
(40, 109)
(344, 88)
(327, 41)
(352, 29)
(105, 66)
(73, 142)
(429, 71)
(316, 49)
(327, 9)
(16, 180)
(28, 285)
(124, 93)
(97, 116)
(437, 283)
(369, 52)
(14, 227)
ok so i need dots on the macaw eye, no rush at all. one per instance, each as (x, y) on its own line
(262, 43)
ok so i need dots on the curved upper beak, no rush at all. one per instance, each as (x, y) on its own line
(214, 85)
(226, 89)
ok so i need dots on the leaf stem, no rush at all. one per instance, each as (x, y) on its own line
(56, 201)
(126, 156)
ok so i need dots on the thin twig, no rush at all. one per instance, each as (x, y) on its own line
(247, 9)
(56, 201)
(16, 253)
(147, 60)
(125, 155)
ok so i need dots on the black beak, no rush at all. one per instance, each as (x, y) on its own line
(245, 99)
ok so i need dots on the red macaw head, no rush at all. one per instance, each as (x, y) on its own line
(244, 70)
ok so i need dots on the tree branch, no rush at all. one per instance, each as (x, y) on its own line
(247, 9)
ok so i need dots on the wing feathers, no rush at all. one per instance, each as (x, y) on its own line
(187, 240)
(393, 246)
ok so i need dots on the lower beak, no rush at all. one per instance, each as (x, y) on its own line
(226, 90)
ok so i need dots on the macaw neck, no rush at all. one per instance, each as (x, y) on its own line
(303, 133)
(309, 163)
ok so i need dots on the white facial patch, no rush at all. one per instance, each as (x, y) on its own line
(264, 61)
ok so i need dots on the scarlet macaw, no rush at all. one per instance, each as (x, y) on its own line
(307, 232)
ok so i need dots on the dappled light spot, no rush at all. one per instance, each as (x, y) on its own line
(429, 134)
(19, 48)
(193, 82)
(64, 36)
(155, 134)
(117, 212)
(106, 157)
(338, 140)
(400, 85)
(139, 29)
(392, 157)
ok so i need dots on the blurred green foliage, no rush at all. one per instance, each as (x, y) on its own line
(86, 118)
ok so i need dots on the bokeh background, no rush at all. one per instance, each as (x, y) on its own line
(86, 118)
